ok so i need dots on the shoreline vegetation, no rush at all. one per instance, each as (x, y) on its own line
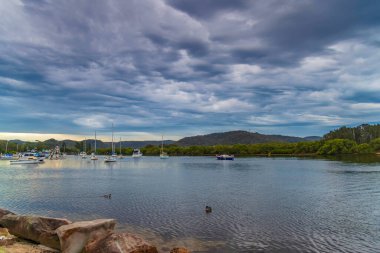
(363, 139)
(310, 148)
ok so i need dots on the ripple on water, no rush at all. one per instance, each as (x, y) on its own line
(259, 204)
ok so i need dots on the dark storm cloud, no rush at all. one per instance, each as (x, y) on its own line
(163, 64)
(289, 31)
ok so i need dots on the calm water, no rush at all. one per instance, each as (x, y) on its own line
(259, 204)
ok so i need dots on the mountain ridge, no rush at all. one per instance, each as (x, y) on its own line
(239, 137)
(220, 138)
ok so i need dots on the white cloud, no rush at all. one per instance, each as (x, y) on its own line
(242, 73)
(318, 63)
(366, 106)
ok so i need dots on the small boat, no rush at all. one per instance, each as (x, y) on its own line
(112, 157)
(83, 155)
(225, 157)
(136, 153)
(109, 159)
(14, 162)
(163, 155)
(121, 155)
(28, 158)
(93, 155)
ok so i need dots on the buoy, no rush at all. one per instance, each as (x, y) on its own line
(208, 209)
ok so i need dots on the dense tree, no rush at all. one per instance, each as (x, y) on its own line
(360, 134)
(338, 146)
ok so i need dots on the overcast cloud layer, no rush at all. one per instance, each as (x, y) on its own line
(184, 67)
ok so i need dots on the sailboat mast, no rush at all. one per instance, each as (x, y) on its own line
(120, 145)
(112, 147)
(84, 143)
(162, 144)
(95, 143)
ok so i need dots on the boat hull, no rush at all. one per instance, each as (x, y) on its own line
(25, 162)
(225, 157)
(109, 160)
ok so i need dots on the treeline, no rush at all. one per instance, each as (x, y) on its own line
(14, 147)
(364, 139)
(323, 147)
(361, 134)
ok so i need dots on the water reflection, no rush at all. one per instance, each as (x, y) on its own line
(259, 204)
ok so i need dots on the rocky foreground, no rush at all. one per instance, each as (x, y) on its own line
(37, 234)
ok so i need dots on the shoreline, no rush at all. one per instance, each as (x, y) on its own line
(40, 234)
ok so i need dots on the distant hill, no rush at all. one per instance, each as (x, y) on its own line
(312, 138)
(226, 138)
(17, 141)
(239, 137)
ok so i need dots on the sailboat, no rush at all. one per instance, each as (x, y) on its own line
(163, 155)
(111, 158)
(120, 156)
(83, 154)
(93, 155)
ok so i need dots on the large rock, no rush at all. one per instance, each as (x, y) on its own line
(179, 250)
(6, 238)
(35, 228)
(120, 243)
(4, 212)
(75, 236)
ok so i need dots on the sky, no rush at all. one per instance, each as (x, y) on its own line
(186, 67)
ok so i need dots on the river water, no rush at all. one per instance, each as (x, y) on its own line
(259, 204)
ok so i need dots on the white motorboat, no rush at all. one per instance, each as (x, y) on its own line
(14, 162)
(136, 153)
(109, 159)
(28, 158)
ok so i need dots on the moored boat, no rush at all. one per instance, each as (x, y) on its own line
(225, 157)
(112, 157)
(28, 158)
(93, 155)
(109, 159)
(163, 155)
(136, 153)
(14, 162)
(83, 155)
